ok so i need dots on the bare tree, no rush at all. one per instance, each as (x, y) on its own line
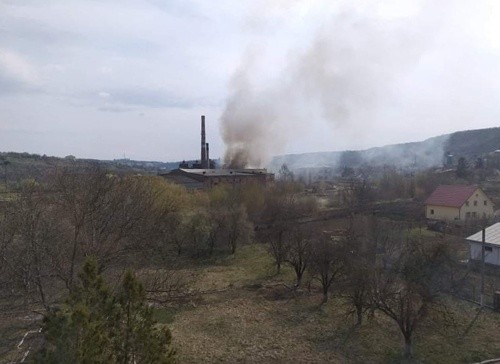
(105, 215)
(327, 261)
(409, 285)
(196, 230)
(239, 230)
(178, 237)
(276, 238)
(217, 220)
(361, 193)
(79, 197)
(360, 266)
(283, 208)
(30, 243)
(228, 218)
(163, 224)
(298, 253)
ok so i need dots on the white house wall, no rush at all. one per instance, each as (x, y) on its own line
(480, 209)
(492, 257)
(442, 212)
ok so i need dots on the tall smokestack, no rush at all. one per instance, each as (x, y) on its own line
(208, 157)
(203, 150)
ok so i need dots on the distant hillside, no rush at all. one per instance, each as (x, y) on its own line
(473, 143)
(15, 167)
(18, 166)
(417, 155)
(469, 144)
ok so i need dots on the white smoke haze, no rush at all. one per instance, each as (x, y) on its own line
(358, 71)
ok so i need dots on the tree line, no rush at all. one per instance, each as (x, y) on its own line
(372, 264)
(50, 228)
(63, 239)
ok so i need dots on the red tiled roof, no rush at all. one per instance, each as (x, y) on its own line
(450, 195)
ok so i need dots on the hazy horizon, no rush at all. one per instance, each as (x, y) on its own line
(277, 155)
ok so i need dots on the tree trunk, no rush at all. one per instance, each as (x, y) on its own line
(408, 353)
(325, 296)
(359, 315)
(299, 280)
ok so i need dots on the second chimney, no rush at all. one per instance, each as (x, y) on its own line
(203, 151)
(208, 157)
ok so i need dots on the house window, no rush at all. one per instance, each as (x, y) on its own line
(432, 211)
(466, 203)
(467, 215)
(473, 215)
(488, 249)
(485, 203)
(475, 203)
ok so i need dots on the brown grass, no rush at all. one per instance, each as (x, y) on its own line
(253, 317)
(247, 313)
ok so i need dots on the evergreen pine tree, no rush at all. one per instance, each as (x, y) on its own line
(94, 326)
(138, 339)
(78, 331)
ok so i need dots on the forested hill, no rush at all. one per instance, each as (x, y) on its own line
(473, 143)
(18, 166)
(469, 144)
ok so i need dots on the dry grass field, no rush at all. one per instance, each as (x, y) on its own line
(245, 313)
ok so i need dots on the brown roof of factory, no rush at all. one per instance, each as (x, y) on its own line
(450, 195)
(223, 172)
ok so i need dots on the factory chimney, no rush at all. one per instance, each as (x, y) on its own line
(208, 157)
(203, 160)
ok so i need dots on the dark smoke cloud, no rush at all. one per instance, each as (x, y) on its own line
(344, 75)
(254, 123)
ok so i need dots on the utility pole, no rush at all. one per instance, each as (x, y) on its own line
(482, 267)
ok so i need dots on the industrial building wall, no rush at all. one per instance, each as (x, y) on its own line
(237, 180)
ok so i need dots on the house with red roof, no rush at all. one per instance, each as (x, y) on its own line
(458, 202)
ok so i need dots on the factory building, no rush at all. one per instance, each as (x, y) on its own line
(204, 175)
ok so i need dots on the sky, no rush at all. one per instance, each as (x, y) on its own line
(112, 78)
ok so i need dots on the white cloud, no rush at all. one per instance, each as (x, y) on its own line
(16, 67)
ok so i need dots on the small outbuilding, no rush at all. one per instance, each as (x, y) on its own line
(491, 245)
(458, 202)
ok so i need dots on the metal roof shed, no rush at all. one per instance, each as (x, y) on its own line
(492, 245)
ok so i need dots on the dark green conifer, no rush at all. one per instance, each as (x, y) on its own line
(94, 326)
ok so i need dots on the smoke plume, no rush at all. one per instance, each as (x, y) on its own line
(255, 123)
(343, 74)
